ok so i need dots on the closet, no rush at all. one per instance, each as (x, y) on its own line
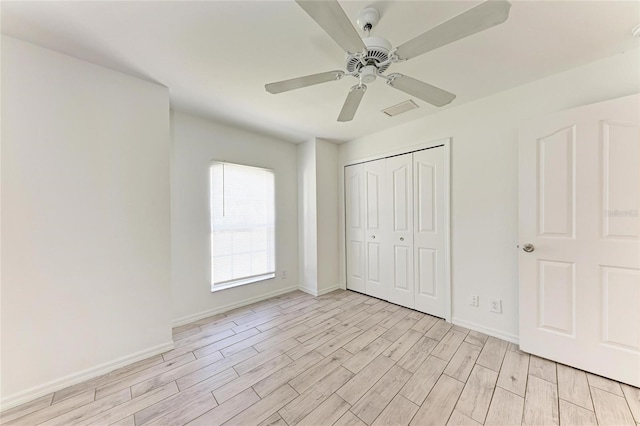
(395, 229)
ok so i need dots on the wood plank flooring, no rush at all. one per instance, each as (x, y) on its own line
(338, 359)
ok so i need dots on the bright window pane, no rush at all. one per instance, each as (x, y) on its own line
(242, 222)
(222, 266)
(258, 262)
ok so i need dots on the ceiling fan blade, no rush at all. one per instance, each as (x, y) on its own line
(297, 83)
(419, 89)
(474, 20)
(330, 16)
(352, 102)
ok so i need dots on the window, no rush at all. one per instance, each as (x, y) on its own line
(242, 225)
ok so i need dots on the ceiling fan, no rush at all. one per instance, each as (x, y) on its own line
(369, 57)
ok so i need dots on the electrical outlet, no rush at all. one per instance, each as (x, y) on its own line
(495, 305)
(283, 274)
(473, 301)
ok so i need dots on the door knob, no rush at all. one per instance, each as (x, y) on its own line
(401, 238)
(528, 248)
(373, 237)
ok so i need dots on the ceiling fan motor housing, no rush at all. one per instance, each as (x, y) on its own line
(378, 50)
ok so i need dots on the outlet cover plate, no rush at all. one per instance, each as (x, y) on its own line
(495, 305)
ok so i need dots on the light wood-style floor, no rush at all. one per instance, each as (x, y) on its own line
(339, 359)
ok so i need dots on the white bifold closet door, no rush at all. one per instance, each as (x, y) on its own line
(376, 237)
(395, 229)
(354, 230)
(429, 236)
(399, 186)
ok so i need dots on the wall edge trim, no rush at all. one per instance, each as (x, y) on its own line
(81, 376)
(513, 338)
(210, 312)
(329, 289)
(316, 293)
(308, 290)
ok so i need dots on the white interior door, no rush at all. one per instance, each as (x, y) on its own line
(429, 235)
(376, 230)
(354, 229)
(579, 204)
(400, 189)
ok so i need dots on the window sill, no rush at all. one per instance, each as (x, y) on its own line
(238, 283)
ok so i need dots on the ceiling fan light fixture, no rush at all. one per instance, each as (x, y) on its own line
(368, 74)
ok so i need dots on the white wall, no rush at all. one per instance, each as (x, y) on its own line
(307, 217)
(327, 215)
(85, 220)
(195, 143)
(318, 216)
(485, 177)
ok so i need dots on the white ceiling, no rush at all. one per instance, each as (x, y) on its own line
(216, 56)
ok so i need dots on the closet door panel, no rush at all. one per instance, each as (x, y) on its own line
(376, 230)
(429, 236)
(354, 230)
(400, 191)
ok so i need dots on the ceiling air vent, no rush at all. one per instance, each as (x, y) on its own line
(400, 108)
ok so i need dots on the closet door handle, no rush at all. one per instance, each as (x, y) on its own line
(373, 237)
(401, 238)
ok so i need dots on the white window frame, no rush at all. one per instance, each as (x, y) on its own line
(246, 280)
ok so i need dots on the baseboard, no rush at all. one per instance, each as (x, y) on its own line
(487, 330)
(204, 314)
(329, 290)
(72, 379)
(314, 292)
(308, 290)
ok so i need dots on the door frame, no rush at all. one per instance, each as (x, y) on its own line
(446, 144)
